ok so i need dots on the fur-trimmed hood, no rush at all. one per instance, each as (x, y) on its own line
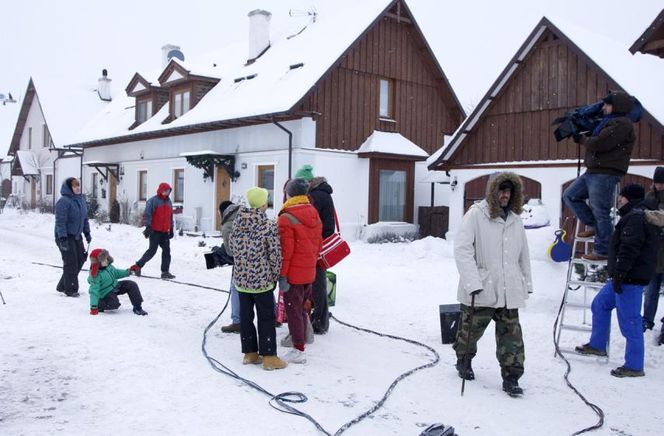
(516, 199)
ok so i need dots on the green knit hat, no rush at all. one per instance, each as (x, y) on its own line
(306, 173)
(257, 197)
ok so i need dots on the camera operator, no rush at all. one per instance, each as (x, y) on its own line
(608, 150)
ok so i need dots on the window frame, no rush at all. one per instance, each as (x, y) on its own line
(49, 184)
(140, 175)
(147, 103)
(391, 95)
(260, 179)
(47, 141)
(178, 197)
(29, 138)
(179, 95)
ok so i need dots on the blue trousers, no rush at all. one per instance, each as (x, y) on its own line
(628, 305)
(235, 304)
(600, 191)
(651, 298)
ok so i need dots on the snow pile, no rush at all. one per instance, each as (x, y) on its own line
(534, 214)
(64, 371)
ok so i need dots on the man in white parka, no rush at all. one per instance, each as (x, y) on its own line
(491, 253)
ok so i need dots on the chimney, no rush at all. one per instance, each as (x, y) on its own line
(259, 33)
(104, 86)
(169, 51)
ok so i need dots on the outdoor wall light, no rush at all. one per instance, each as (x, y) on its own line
(453, 183)
(244, 165)
(141, 154)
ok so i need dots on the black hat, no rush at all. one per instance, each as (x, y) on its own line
(633, 192)
(507, 184)
(297, 186)
(659, 175)
(224, 205)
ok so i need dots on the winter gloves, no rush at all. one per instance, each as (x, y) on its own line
(578, 138)
(147, 232)
(284, 286)
(88, 237)
(94, 310)
(617, 284)
(135, 269)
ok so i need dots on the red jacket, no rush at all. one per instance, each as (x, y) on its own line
(300, 231)
(159, 211)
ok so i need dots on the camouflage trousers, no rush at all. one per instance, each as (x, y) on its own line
(509, 340)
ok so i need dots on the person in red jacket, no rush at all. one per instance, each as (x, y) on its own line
(300, 234)
(158, 220)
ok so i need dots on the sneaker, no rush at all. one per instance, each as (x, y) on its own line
(595, 257)
(252, 359)
(466, 373)
(273, 362)
(295, 356)
(167, 276)
(587, 350)
(231, 328)
(622, 371)
(138, 310)
(511, 386)
(589, 233)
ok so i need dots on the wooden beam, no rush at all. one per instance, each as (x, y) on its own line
(399, 18)
(654, 45)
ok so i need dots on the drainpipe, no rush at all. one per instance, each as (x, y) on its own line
(290, 146)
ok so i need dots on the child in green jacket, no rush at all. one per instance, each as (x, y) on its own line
(105, 287)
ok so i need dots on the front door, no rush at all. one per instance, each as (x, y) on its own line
(33, 193)
(112, 189)
(223, 192)
(391, 186)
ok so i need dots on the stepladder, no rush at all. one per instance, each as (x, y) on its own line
(584, 280)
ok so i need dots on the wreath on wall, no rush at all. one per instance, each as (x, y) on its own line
(207, 162)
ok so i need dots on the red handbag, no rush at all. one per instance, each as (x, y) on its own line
(334, 248)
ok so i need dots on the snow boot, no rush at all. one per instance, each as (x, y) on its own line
(466, 373)
(167, 276)
(72, 294)
(252, 359)
(231, 328)
(138, 310)
(295, 356)
(273, 362)
(511, 386)
(587, 350)
(647, 325)
(622, 371)
(660, 340)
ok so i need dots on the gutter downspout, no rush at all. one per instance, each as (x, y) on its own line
(290, 146)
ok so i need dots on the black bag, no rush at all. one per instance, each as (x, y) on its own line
(109, 302)
(449, 322)
(217, 256)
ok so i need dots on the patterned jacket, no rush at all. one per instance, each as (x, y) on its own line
(256, 251)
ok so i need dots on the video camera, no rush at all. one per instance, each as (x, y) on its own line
(583, 120)
(217, 257)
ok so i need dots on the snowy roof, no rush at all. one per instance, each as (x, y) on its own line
(28, 162)
(610, 55)
(390, 143)
(298, 57)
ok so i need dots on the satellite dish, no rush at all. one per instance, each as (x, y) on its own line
(176, 54)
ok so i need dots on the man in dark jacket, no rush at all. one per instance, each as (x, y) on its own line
(631, 265)
(655, 199)
(71, 220)
(320, 194)
(158, 220)
(608, 151)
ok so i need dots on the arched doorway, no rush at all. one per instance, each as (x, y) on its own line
(475, 190)
(566, 215)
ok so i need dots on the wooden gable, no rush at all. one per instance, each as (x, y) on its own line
(652, 40)
(173, 74)
(22, 119)
(138, 85)
(512, 123)
(346, 98)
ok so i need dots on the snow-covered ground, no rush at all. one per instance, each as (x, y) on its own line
(66, 372)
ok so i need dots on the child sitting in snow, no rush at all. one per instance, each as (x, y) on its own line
(105, 287)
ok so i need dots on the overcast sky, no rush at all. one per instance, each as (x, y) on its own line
(75, 39)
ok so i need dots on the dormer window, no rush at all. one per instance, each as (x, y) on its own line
(143, 110)
(181, 103)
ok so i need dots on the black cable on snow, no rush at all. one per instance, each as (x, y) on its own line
(594, 407)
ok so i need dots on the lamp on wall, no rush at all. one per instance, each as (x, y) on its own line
(453, 183)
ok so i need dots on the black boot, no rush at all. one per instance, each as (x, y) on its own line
(167, 276)
(511, 386)
(465, 371)
(660, 340)
(138, 310)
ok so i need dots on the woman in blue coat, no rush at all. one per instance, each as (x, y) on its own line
(71, 224)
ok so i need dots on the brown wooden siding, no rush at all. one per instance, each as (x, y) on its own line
(475, 190)
(200, 89)
(347, 98)
(553, 79)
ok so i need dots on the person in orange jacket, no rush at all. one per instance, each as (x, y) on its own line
(300, 234)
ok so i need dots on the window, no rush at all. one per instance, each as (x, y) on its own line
(143, 110)
(266, 180)
(46, 136)
(29, 138)
(93, 188)
(142, 185)
(180, 103)
(391, 195)
(386, 108)
(178, 183)
(49, 184)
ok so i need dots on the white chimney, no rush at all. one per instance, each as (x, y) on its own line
(104, 86)
(259, 33)
(167, 52)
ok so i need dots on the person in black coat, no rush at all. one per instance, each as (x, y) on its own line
(631, 265)
(320, 195)
(71, 224)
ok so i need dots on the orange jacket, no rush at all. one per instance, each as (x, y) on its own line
(300, 231)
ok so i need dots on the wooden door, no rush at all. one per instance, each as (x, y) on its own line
(33, 193)
(112, 189)
(475, 190)
(223, 192)
(405, 168)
